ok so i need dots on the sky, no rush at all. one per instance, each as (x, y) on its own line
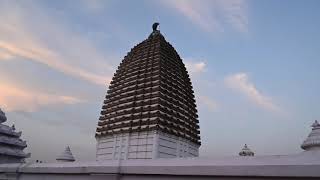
(254, 66)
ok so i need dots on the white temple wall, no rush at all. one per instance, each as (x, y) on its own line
(144, 145)
(302, 166)
(171, 146)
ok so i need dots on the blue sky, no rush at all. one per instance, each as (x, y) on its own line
(254, 67)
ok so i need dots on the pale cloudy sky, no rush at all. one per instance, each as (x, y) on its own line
(254, 67)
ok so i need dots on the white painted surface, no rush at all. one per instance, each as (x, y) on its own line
(304, 166)
(144, 145)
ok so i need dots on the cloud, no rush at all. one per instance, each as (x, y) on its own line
(27, 32)
(14, 98)
(212, 15)
(5, 55)
(241, 83)
(235, 13)
(207, 102)
(195, 67)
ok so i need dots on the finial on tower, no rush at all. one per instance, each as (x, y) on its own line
(155, 31)
(155, 26)
(315, 124)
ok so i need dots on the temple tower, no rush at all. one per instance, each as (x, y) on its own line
(11, 146)
(150, 110)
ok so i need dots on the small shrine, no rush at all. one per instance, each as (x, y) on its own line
(246, 151)
(313, 140)
(66, 156)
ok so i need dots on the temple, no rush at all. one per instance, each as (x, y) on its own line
(150, 110)
(11, 146)
(148, 121)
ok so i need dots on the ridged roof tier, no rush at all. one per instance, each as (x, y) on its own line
(151, 90)
(3, 117)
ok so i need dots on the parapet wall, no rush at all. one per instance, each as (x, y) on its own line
(254, 168)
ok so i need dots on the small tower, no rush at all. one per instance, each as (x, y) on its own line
(313, 140)
(66, 156)
(246, 151)
(11, 146)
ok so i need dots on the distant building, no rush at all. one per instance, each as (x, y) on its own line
(150, 110)
(11, 146)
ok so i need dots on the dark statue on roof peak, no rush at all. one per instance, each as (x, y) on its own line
(155, 26)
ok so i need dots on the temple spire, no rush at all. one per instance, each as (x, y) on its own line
(150, 98)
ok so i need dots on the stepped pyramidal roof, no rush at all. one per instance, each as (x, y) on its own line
(151, 90)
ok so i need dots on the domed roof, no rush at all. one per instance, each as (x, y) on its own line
(3, 117)
(313, 140)
(66, 156)
(246, 151)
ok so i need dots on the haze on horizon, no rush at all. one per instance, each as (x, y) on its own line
(254, 67)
